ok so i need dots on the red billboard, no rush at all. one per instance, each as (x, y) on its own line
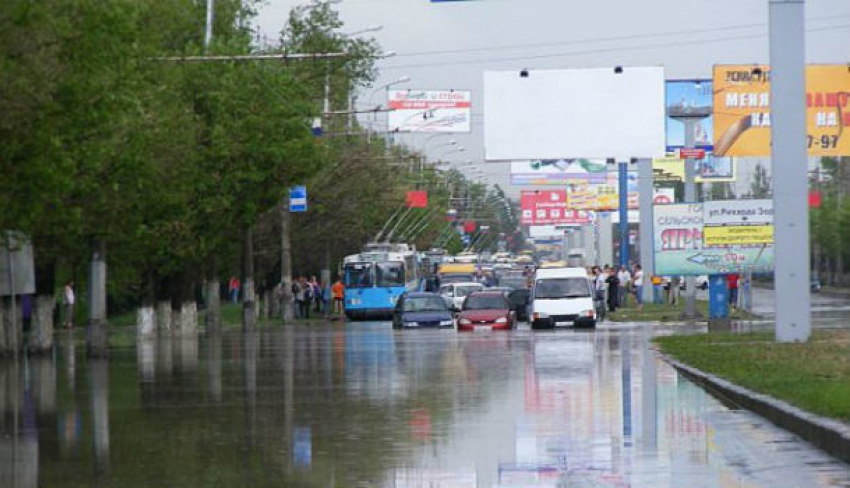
(549, 207)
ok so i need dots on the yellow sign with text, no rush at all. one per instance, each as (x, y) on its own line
(737, 235)
(742, 110)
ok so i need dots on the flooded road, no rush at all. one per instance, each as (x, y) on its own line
(362, 405)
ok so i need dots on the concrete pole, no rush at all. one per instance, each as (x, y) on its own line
(790, 171)
(606, 239)
(690, 197)
(623, 173)
(13, 319)
(97, 338)
(286, 307)
(646, 188)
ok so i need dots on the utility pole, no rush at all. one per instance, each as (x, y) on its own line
(790, 177)
(646, 189)
(623, 173)
(286, 311)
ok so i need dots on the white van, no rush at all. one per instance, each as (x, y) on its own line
(455, 293)
(562, 297)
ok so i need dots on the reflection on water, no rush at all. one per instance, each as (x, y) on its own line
(348, 405)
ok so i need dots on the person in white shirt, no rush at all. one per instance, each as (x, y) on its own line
(69, 304)
(625, 277)
(638, 282)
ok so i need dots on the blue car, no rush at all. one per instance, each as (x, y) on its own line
(421, 310)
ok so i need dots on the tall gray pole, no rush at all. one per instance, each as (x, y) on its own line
(606, 239)
(690, 197)
(208, 31)
(646, 188)
(790, 171)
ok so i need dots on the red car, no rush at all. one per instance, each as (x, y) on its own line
(486, 310)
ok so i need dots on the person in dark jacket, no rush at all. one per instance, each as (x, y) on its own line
(613, 288)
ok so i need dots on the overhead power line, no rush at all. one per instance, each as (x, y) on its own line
(596, 51)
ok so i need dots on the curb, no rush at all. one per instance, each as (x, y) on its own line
(829, 435)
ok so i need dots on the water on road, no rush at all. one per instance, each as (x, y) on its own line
(362, 405)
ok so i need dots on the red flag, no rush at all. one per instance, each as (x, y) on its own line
(469, 226)
(815, 199)
(417, 199)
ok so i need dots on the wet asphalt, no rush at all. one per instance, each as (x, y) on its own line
(362, 405)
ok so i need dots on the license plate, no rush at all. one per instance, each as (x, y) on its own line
(563, 323)
(482, 328)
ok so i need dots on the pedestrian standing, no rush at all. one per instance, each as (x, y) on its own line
(326, 298)
(233, 288)
(68, 294)
(306, 297)
(732, 280)
(297, 298)
(625, 279)
(613, 289)
(338, 291)
(637, 279)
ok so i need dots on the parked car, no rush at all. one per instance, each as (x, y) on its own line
(562, 297)
(486, 310)
(816, 286)
(455, 293)
(701, 282)
(421, 310)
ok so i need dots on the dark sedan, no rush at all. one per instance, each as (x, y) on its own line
(420, 310)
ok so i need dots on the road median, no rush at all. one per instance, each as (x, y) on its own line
(803, 388)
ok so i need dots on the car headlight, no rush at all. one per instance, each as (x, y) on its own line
(502, 320)
(464, 321)
(411, 324)
(588, 313)
(355, 301)
(445, 323)
(541, 315)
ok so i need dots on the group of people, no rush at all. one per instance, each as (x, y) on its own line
(613, 286)
(313, 295)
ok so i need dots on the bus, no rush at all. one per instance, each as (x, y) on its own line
(376, 277)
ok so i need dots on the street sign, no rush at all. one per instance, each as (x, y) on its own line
(738, 223)
(691, 153)
(298, 199)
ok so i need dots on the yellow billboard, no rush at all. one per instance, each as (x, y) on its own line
(737, 235)
(742, 110)
(707, 170)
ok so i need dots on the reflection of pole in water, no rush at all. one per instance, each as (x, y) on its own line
(250, 341)
(649, 401)
(99, 385)
(214, 365)
(626, 361)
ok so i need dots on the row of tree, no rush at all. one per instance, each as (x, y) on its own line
(178, 170)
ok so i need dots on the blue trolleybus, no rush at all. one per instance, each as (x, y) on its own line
(375, 278)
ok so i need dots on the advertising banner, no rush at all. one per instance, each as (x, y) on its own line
(549, 207)
(682, 98)
(679, 250)
(430, 111)
(558, 172)
(738, 223)
(709, 170)
(742, 110)
(606, 196)
(578, 113)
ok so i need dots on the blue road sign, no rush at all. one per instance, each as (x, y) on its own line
(298, 199)
(718, 297)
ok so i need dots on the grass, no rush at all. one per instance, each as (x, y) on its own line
(666, 313)
(814, 376)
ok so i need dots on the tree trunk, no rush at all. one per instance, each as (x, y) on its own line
(163, 318)
(41, 331)
(286, 303)
(97, 338)
(213, 319)
(249, 312)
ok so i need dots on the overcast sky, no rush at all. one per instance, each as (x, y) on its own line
(450, 44)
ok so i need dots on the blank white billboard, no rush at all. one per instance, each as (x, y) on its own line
(587, 113)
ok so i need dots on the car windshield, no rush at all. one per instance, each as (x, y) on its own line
(424, 304)
(358, 275)
(390, 274)
(562, 288)
(512, 282)
(462, 291)
(485, 302)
